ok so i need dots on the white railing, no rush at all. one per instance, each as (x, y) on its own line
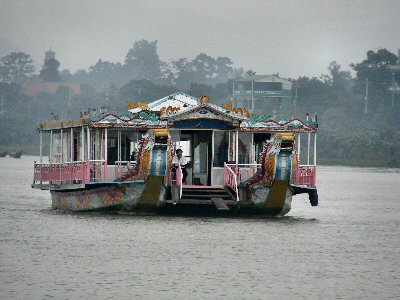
(244, 171)
(230, 179)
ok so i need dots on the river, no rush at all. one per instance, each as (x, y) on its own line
(346, 248)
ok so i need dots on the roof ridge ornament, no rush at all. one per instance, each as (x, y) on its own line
(131, 105)
(236, 110)
(204, 100)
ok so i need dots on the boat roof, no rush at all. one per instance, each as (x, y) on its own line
(182, 100)
(183, 111)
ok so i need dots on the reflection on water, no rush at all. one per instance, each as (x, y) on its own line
(345, 248)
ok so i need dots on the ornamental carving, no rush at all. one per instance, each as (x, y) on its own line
(203, 99)
(131, 105)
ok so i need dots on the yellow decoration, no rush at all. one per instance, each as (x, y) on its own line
(287, 136)
(204, 99)
(161, 132)
(270, 167)
(142, 105)
(130, 105)
(227, 106)
(172, 110)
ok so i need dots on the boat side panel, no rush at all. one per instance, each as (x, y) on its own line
(124, 195)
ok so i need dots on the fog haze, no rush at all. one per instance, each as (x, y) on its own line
(292, 38)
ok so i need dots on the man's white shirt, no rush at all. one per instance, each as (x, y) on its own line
(182, 161)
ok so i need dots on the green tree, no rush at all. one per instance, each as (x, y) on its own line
(16, 67)
(184, 71)
(341, 83)
(375, 69)
(143, 62)
(203, 69)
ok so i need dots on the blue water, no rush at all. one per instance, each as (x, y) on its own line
(346, 248)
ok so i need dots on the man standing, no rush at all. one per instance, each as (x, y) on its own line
(179, 159)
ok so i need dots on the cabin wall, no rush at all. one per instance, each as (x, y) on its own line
(217, 176)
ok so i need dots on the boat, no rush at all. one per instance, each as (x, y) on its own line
(237, 163)
(17, 154)
(3, 154)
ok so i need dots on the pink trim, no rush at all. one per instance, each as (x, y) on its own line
(219, 187)
(242, 171)
(230, 178)
(62, 173)
(306, 175)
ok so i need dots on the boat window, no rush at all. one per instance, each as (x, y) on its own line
(128, 140)
(221, 141)
(183, 141)
(244, 148)
(56, 148)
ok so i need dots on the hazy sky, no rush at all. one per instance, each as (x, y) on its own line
(291, 38)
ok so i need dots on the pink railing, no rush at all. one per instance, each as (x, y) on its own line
(177, 178)
(243, 171)
(123, 167)
(98, 170)
(62, 173)
(230, 179)
(70, 172)
(306, 175)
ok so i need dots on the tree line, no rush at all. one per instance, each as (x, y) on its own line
(359, 115)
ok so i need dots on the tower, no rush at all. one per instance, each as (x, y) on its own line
(49, 55)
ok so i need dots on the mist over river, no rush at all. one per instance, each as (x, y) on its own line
(346, 248)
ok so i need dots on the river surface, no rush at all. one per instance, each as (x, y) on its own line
(346, 248)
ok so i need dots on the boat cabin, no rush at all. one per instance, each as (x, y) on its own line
(217, 141)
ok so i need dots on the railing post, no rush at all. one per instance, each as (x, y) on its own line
(41, 146)
(105, 154)
(51, 147)
(224, 173)
(88, 143)
(299, 146)
(315, 149)
(308, 149)
(315, 176)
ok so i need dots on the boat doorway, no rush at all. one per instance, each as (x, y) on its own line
(202, 157)
(197, 149)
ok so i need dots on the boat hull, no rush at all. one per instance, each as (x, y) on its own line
(109, 197)
(145, 198)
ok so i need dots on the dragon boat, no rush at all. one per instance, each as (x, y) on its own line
(237, 163)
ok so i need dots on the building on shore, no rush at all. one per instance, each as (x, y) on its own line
(262, 93)
(33, 88)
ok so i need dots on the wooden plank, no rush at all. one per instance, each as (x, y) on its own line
(220, 204)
